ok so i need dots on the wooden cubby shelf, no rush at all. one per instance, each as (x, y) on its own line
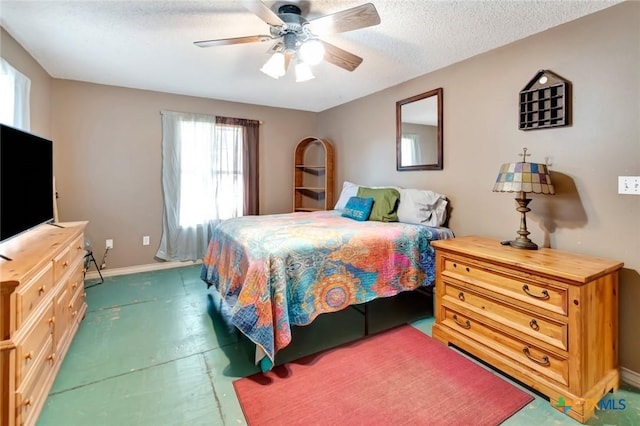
(545, 102)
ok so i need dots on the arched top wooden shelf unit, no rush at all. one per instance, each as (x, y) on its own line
(313, 175)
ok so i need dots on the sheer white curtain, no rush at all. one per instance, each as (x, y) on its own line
(202, 181)
(15, 88)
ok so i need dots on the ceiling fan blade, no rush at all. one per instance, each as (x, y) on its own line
(347, 20)
(340, 57)
(235, 40)
(263, 12)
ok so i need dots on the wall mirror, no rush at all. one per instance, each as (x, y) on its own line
(419, 132)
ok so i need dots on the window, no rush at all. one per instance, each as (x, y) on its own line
(15, 88)
(209, 174)
(410, 148)
(210, 163)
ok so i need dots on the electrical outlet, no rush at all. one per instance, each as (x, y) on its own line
(629, 185)
(145, 240)
(109, 244)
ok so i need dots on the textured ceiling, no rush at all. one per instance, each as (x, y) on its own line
(149, 44)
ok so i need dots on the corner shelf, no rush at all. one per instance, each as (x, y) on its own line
(313, 175)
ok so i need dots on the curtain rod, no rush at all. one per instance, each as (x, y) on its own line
(198, 113)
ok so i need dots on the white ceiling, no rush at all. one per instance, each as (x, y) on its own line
(148, 44)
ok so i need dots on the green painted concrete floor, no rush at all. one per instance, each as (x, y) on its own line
(153, 350)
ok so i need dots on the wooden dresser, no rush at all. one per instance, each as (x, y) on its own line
(545, 317)
(41, 305)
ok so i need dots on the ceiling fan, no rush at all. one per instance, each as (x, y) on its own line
(298, 38)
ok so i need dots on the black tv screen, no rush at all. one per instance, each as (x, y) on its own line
(26, 181)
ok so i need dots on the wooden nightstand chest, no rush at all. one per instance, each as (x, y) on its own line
(545, 317)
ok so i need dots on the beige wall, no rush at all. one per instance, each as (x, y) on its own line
(107, 148)
(108, 160)
(40, 100)
(600, 55)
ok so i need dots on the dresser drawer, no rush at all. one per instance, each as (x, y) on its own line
(529, 291)
(76, 249)
(29, 296)
(37, 340)
(76, 280)
(523, 352)
(61, 264)
(75, 305)
(31, 392)
(527, 323)
(76, 294)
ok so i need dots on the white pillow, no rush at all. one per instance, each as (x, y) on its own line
(422, 207)
(348, 190)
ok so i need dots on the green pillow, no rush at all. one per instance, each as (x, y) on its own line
(385, 203)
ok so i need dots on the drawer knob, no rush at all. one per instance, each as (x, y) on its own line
(544, 361)
(65, 264)
(461, 296)
(52, 320)
(29, 355)
(534, 324)
(466, 324)
(74, 285)
(27, 402)
(543, 296)
(467, 269)
(51, 357)
(42, 289)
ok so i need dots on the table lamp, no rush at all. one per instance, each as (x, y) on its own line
(523, 177)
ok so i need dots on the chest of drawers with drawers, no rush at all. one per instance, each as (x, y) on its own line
(545, 317)
(41, 305)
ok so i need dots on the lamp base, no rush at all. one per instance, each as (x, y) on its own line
(521, 243)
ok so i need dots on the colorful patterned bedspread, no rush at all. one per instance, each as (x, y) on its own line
(275, 271)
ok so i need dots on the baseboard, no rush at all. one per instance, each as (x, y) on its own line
(139, 268)
(630, 377)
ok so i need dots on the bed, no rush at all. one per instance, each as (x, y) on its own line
(277, 271)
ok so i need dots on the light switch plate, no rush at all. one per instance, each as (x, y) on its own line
(629, 185)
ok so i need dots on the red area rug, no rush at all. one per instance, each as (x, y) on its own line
(399, 377)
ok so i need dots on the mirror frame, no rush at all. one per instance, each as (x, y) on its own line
(436, 166)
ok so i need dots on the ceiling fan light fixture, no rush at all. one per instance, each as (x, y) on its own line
(297, 37)
(303, 72)
(274, 67)
(312, 51)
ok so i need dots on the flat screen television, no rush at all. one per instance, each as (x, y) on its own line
(26, 181)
